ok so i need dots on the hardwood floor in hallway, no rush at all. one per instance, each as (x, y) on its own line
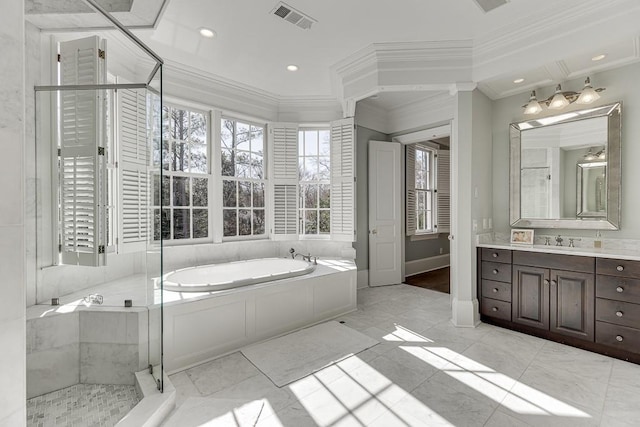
(436, 280)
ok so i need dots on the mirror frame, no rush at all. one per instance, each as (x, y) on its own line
(614, 177)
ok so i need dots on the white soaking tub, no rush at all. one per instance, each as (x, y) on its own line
(216, 277)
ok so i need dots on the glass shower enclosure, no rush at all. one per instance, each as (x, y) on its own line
(94, 297)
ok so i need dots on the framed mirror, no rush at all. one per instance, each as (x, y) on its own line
(565, 170)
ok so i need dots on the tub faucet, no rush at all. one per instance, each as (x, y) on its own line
(307, 258)
(293, 253)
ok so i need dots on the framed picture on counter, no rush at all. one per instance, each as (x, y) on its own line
(521, 236)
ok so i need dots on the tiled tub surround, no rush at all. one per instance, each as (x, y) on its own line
(199, 326)
(585, 297)
(86, 345)
(124, 276)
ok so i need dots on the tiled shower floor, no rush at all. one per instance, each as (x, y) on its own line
(82, 405)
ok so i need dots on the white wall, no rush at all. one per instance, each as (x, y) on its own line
(622, 85)
(12, 222)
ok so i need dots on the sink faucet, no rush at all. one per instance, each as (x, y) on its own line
(571, 241)
(547, 241)
(559, 240)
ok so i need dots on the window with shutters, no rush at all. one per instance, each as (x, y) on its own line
(314, 171)
(424, 186)
(184, 155)
(243, 178)
(427, 190)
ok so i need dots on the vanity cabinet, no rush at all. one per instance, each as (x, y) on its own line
(618, 304)
(559, 299)
(587, 302)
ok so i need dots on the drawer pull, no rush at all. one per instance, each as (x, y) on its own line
(619, 313)
(495, 290)
(494, 308)
(619, 338)
(620, 289)
(495, 271)
(495, 255)
(620, 268)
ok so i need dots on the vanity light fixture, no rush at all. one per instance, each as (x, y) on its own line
(560, 99)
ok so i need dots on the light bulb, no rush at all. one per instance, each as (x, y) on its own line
(588, 94)
(558, 101)
(533, 107)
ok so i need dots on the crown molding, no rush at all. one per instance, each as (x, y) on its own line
(431, 65)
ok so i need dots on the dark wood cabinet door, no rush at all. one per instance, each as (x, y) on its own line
(572, 304)
(530, 299)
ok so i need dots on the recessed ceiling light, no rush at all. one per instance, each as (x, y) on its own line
(520, 80)
(292, 67)
(206, 32)
(599, 57)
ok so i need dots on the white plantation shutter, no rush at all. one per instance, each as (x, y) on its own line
(443, 194)
(411, 189)
(134, 180)
(284, 140)
(82, 172)
(343, 186)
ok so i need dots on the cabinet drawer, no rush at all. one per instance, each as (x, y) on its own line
(495, 308)
(618, 288)
(496, 290)
(621, 337)
(555, 261)
(496, 271)
(618, 267)
(618, 312)
(496, 255)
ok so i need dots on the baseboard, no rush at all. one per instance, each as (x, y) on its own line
(363, 279)
(425, 264)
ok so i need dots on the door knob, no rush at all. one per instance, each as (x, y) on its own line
(546, 282)
(619, 313)
(619, 289)
(619, 338)
(373, 231)
(620, 268)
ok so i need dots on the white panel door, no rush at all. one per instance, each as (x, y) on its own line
(385, 210)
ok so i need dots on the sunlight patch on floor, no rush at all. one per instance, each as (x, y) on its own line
(502, 389)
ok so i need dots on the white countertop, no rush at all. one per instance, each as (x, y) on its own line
(617, 253)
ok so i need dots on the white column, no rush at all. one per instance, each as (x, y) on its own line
(464, 299)
(12, 223)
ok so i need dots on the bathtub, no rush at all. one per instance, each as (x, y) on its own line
(216, 277)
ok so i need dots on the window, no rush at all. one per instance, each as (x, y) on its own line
(428, 194)
(243, 178)
(424, 190)
(185, 186)
(315, 181)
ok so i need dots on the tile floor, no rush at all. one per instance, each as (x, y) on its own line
(424, 372)
(82, 405)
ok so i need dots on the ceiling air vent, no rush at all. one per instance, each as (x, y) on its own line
(489, 5)
(293, 16)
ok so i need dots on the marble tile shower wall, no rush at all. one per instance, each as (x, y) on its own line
(12, 218)
(87, 347)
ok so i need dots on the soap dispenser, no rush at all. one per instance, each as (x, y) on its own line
(597, 243)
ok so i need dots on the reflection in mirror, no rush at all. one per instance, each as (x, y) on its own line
(591, 189)
(565, 170)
